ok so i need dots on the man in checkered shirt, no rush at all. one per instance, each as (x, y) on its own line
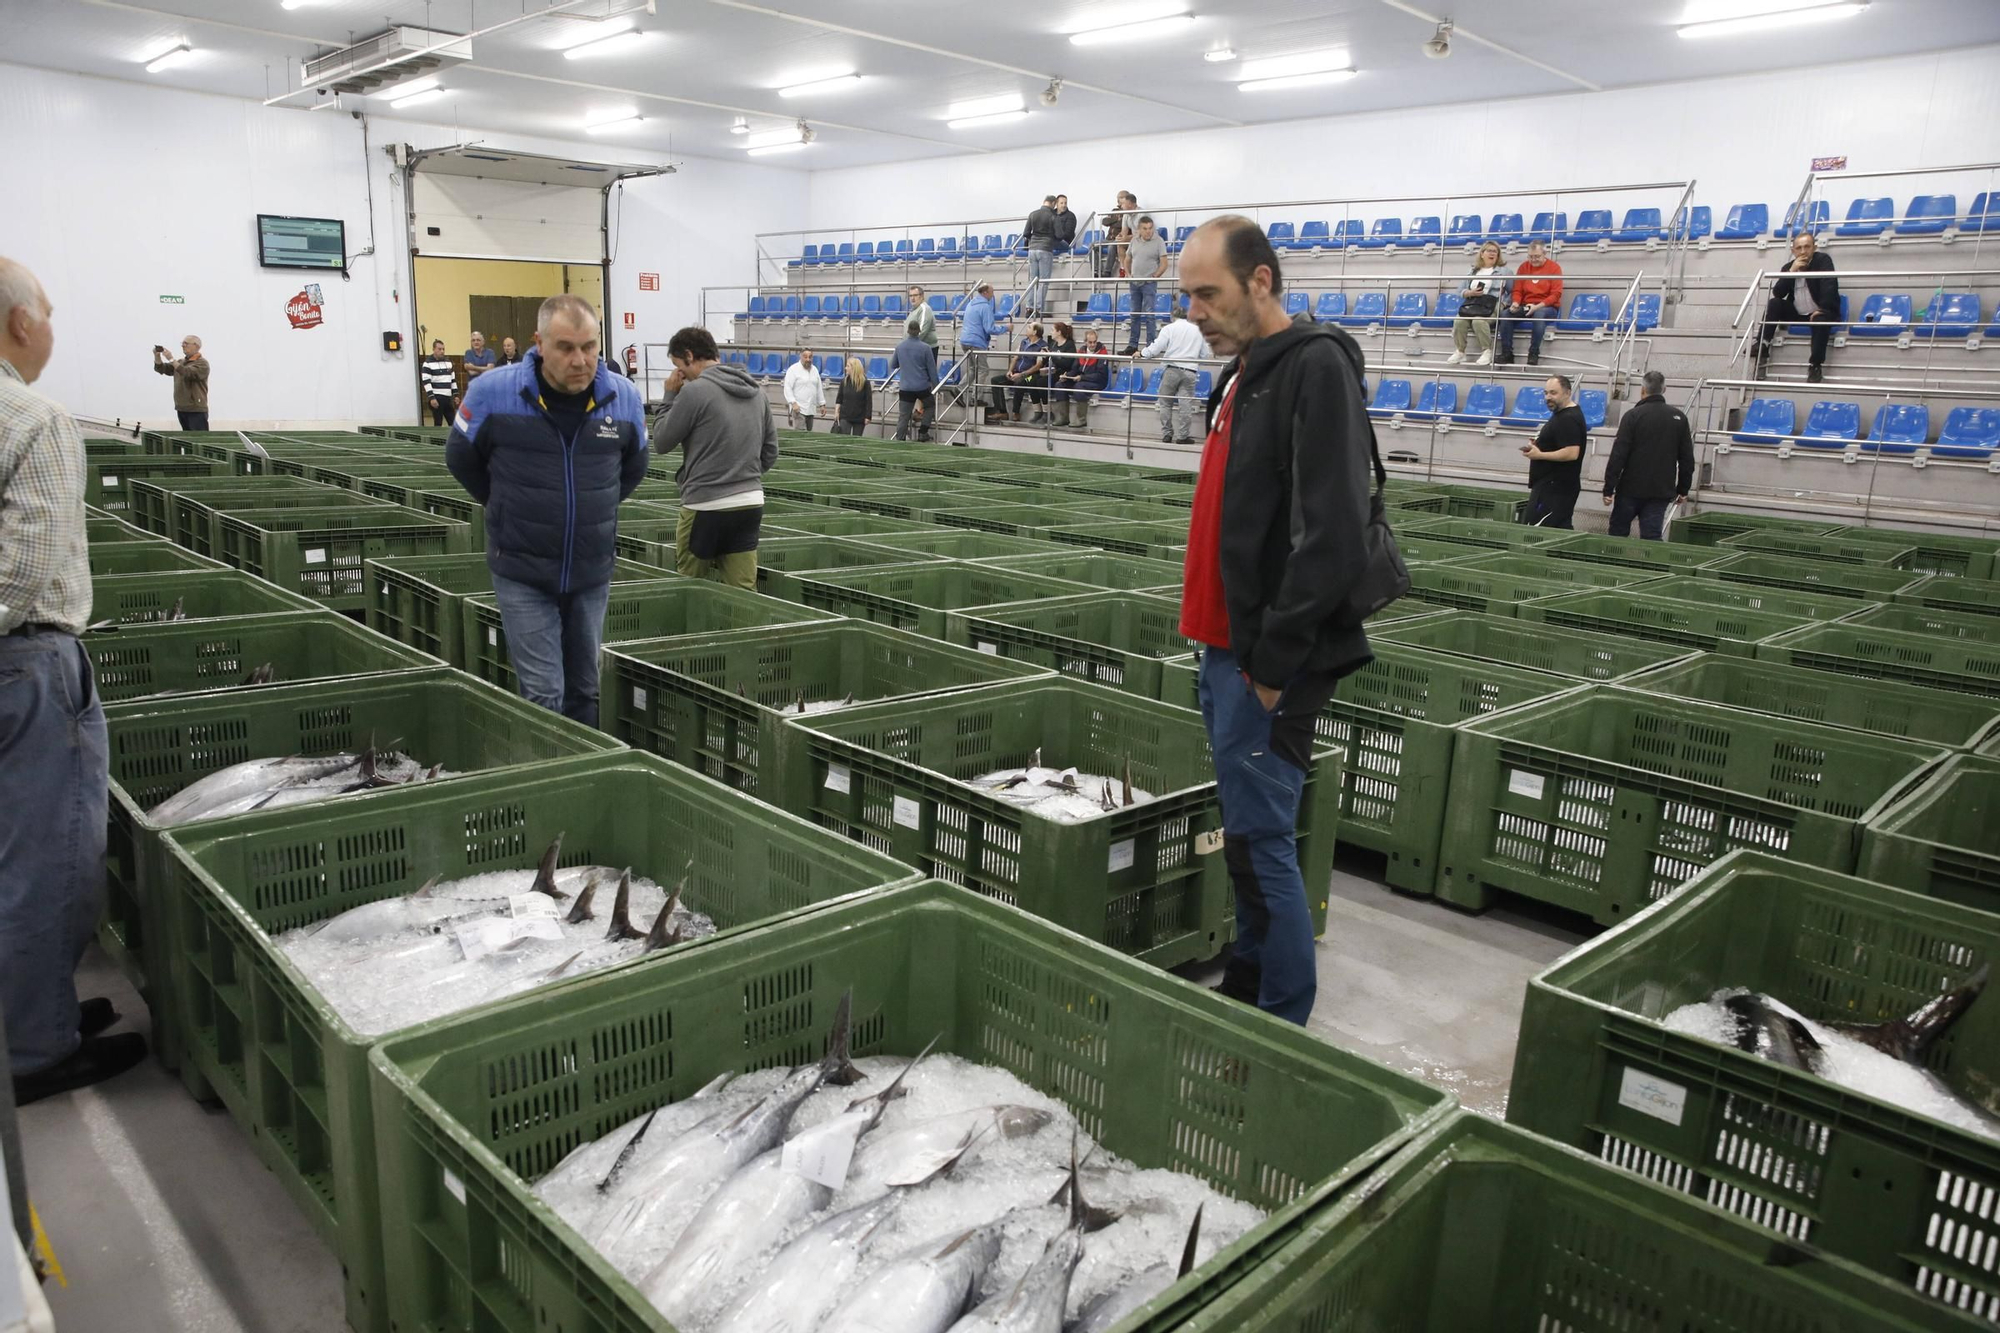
(54, 766)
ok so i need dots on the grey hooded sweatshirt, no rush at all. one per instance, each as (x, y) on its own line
(722, 425)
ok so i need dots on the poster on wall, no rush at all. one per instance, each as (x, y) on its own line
(1829, 163)
(306, 310)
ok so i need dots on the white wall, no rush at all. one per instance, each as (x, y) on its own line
(1741, 139)
(122, 193)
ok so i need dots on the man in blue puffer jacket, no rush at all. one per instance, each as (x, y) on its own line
(550, 446)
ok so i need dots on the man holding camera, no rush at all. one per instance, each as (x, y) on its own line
(190, 376)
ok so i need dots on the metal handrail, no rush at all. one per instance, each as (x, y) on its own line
(1814, 179)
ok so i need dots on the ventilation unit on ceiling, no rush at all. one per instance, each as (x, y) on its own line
(394, 56)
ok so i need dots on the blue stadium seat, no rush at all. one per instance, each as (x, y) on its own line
(1984, 215)
(947, 247)
(756, 310)
(1295, 303)
(850, 306)
(1097, 309)
(1698, 223)
(1969, 432)
(1163, 304)
(1548, 226)
(1830, 424)
(1314, 236)
(1596, 405)
(1382, 233)
(997, 246)
(1411, 307)
(1531, 406)
(1146, 388)
(1332, 305)
(1350, 232)
(904, 251)
(1484, 402)
(1587, 311)
(1767, 421)
(871, 306)
(1444, 312)
(1929, 215)
(1801, 330)
(1423, 231)
(951, 372)
(864, 253)
(1008, 305)
(1505, 228)
(937, 303)
(893, 308)
(1437, 398)
(1282, 235)
(1745, 222)
(832, 366)
(795, 307)
(1867, 217)
(878, 369)
(1884, 315)
(1124, 308)
(811, 308)
(846, 255)
(1120, 383)
(1816, 218)
(1950, 315)
(1466, 229)
(926, 249)
(1015, 245)
(1648, 315)
(1640, 224)
(1592, 225)
(1391, 396)
(1899, 428)
(755, 365)
(1180, 238)
(829, 253)
(811, 256)
(1204, 384)
(1368, 308)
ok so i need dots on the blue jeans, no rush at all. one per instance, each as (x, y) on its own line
(1652, 516)
(1260, 777)
(54, 787)
(1143, 316)
(552, 641)
(1537, 320)
(1041, 267)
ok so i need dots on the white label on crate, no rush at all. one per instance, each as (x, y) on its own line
(531, 904)
(821, 1154)
(492, 637)
(907, 813)
(1122, 855)
(838, 779)
(109, 481)
(638, 698)
(453, 1185)
(1525, 784)
(315, 555)
(991, 650)
(1652, 1095)
(1208, 844)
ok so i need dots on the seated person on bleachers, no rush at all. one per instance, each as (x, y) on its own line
(1062, 355)
(1814, 302)
(1026, 375)
(1084, 378)
(1537, 296)
(1480, 296)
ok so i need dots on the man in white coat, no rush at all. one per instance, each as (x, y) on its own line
(804, 397)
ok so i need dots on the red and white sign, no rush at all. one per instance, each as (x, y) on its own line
(631, 320)
(304, 310)
(649, 282)
(1829, 164)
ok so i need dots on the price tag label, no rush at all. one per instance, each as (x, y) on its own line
(532, 904)
(639, 698)
(453, 1185)
(1208, 844)
(839, 779)
(822, 1154)
(907, 813)
(110, 480)
(492, 637)
(1652, 1095)
(991, 650)
(315, 555)
(1530, 785)
(480, 938)
(1121, 855)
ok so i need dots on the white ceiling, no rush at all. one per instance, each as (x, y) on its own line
(702, 62)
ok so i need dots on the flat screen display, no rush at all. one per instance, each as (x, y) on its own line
(314, 243)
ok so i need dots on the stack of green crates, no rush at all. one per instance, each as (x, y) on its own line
(1573, 654)
(1116, 639)
(1835, 578)
(920, 597)
(197, 656)
(1967, 665)
(208, 594)
(419, 600)
(1712, 626)
(1940, 717)
(321, 552)
(1941, 835)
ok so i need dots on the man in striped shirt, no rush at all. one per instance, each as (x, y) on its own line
(440, 384)
(54, 761)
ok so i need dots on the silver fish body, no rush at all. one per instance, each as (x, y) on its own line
(1109, 1310)
(801, 1283)
(924, 1291)
(255, 777)
(1035, 1303)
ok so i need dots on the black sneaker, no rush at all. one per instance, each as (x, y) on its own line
(1814, 374)
(1534, 358)
(97, 1016)
(1505, 359)
(98, 1059)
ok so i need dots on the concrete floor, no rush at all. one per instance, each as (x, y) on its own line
(162, 1218)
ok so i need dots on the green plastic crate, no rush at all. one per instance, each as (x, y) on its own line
(1866, 650)
(1572, 574)
(715, 703)
(1941, 836)
(1439, 504)
(351, 475)
(1828, 1168)
(107, 481)
(824, 488)
(1150, 541)
(107, 530)
(665, 608)
(1712, 527)
(649, 541)
(1490, 591)
(1174, 493)
(845, 523)
(1146, 879)
(1661, 557)
(203, 656)
(160, 746)
(1701, 587)
(100, 446)
(322, 553)
(441, 497)
(1940, 717)
(1018, 520)
(295, 1076)
(1417, 549)
(419, 600)
(919, 597)
(1712, 627)
(1968, 596)
(154, 557)
(784, 563)
(1118, 639)
(150, 500)
(1841, 548)
(1573, 654)
(1495, 536)
(1805, 574)
(908, 499)
(968, 544)
(1107, 570)
(1608, 799)
(1950, 554)
(139, 599)
(196, 519)
(1164, 1074)
(1974, 628)
(1486, 502)
(1478, 1225)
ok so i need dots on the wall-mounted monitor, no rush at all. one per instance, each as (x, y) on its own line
(311, 243)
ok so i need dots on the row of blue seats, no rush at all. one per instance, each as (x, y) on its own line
(1898, 428)
(1483, 402)
(1890, 315)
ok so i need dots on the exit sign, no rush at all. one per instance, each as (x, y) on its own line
(173, 300)
(649, 282)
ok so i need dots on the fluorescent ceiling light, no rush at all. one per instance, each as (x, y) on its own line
(1782, 18)
(983, 106)
(1218, 56)
(168, 58)
(1296, 81)
(767, 149)
(741, 125)
(1132, 32)
(409, 87)
(607, 44)
(994, 118)
(624, 118)
(1309, 62)
(791, 134)
(831, 84)
(291, 4)
(415, 99)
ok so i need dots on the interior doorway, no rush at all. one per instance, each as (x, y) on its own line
(498, 297)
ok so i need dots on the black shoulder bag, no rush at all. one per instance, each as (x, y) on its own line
(1385, 577)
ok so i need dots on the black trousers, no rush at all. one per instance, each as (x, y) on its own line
(441, 410)
(1652, 516)
(909, 403)
(193, 420)
(1550, 505)
(1778, 311)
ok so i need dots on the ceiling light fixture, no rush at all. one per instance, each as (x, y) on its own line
(1306, 62)
(791, 134)
(741, 125)
(620, 122)
(408, 88)
(1775, 19)
(607, 44)
(1296, 80)
(1139, 31)
(995, 118)
(290, 4)
(831, 84)
(983, 106)
(170, 57)
(1216, 57)
(770, 148)
(415, 99)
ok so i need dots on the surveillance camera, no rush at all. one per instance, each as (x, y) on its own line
(1439, 44)
(1052, 93)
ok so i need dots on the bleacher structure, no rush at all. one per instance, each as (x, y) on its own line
(1905, 428)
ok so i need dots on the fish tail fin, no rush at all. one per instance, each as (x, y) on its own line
(561, 967)
(840, 1070)
(1909, 1037)
(894, 1090)
(545, 873)
(625, 1154)
(580, 910)
(1082, 1214)
(621, 911)
(428, 888)
(1193, 1243)
(1128, 779)
(659, 937)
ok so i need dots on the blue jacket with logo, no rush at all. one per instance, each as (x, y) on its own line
(551, 503)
